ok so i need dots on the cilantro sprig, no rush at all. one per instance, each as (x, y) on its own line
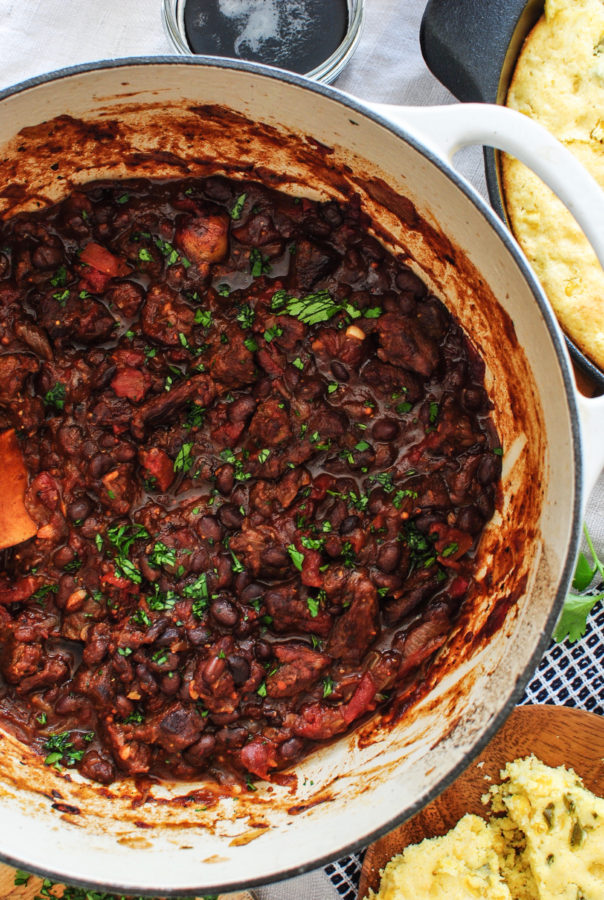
(573, 621)
(317, 307)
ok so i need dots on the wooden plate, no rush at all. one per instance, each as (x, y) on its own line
(557, 735)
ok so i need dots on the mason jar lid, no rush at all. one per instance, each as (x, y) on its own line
(315, 38)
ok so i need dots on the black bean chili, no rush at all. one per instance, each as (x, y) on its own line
(260, 458)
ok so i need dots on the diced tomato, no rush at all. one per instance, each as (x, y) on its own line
(103, 260)
(157, 466)
(131, 383)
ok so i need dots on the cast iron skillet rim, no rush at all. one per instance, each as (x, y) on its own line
(510, 244)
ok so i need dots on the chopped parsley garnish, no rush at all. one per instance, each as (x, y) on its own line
(171, 254)
(239, 473)
(385, 479)
(141, 617)
(404, 407)
(59, 279)
(160, 601)
(246, 316)
(318, 306)
(161, 555)
(60, 746)
(184, 459)
(238, 207)
(263, 455)
(313, 606)
(328, 686)
(450, 549)
(273, 332)
(198, 592)
(55, 397)
(296, 557)
(259, 264)
(262, 690)
(398, 498)
(145, 255)
(251, 344)
(433, 414)
(297, 362)
(61, 297)
(194, 416)
(203, 317)
(123, 198)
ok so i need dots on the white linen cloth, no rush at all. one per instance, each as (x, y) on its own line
(38, 36)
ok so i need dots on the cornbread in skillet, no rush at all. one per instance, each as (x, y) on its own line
(559, 81)
(545, 841)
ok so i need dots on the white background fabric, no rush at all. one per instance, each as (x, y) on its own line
(37, 36)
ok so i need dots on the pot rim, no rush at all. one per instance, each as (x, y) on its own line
(491, 219)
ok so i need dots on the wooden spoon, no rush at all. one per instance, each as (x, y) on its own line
(15, 522)
(10, 891)
(557, 735)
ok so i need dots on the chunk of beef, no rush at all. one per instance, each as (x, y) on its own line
(165, 316)
(299, 667)
(355, 630)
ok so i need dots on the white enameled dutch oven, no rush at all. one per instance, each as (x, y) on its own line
(172, 117)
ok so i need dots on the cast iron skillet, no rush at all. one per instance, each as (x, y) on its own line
(472, 46)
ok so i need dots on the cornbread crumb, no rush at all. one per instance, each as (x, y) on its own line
(559, 81)
(544, 841)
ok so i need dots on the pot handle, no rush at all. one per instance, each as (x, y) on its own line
(446, 129)
(466, 43)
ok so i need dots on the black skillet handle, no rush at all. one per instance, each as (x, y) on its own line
(466, 44)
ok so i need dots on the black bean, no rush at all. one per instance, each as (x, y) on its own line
(407, 280)
(99, 465)
(263, 651)
(489, 468)
(240, 668)
(230, 516)
(124, 452)
(213, 669)
(198, 636)
(470, 519)
(225, 479)
(385, 430)
(63, 557)
(210, 528)
(253, 591)
(224, 612)
(339, 371)
(349, 524)
(79, 509)
(291, 748)
(275, 557)
(388, 557)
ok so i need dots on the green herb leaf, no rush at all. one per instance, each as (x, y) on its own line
(145, 255)
(203, 317)
(259, 264)
(55, 397)
(296, 557)
(246, 316)
(184, 459)
(573, 620)
(263, 455)
(238, 207)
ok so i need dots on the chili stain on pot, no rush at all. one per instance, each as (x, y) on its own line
(297, 35)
